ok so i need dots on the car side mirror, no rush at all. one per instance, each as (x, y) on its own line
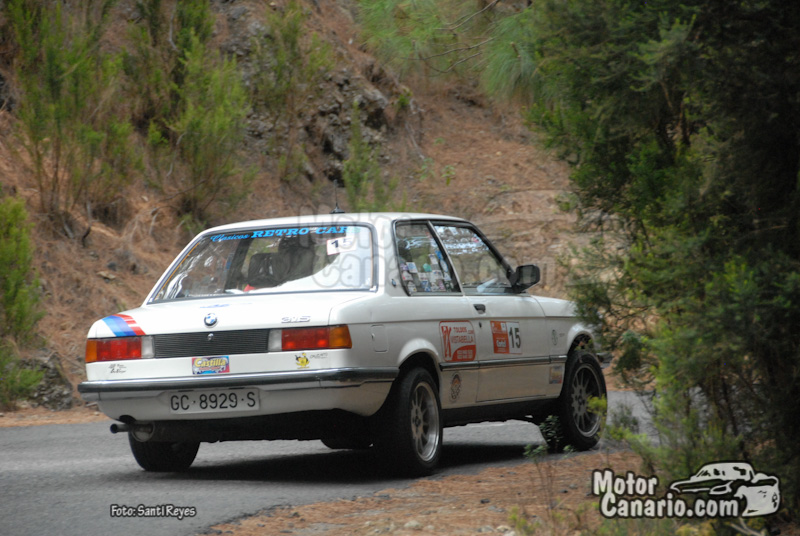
(524, 277)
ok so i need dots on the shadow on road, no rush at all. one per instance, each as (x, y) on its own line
(463, 455)
(342, 466)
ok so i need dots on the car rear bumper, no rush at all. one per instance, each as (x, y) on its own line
(343, 377)
(357, 390)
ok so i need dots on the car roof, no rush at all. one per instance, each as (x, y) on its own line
(377, 219)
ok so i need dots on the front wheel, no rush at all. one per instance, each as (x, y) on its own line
(162, 456)
(584, 380)
(411, 425)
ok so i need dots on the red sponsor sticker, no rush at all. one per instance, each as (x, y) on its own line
(458, 341)
(506, 337)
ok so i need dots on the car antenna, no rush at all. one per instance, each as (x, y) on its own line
(336, 209)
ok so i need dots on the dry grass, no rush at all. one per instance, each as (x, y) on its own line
(28, 416)
(553, 494)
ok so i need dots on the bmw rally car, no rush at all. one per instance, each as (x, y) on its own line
(362, 330)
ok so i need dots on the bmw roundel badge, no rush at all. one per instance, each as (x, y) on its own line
(210, 320)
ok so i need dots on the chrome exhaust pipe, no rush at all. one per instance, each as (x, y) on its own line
(117, 428)
(140, 431)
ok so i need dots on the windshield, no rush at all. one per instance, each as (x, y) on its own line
(273, 260)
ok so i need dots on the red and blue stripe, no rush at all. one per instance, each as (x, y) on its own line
(123, 325)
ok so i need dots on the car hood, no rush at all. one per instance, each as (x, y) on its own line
(234, 313)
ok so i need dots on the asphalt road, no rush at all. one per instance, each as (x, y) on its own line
(67, 479)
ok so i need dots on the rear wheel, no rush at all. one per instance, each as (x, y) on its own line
(162, 456)
(584, 380)
(411, 425)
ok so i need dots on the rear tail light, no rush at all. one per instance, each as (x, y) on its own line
(119, 348)
(322, 338)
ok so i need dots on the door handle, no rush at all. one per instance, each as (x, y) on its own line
(481, 308)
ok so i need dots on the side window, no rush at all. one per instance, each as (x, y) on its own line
(423, 268)
(478, 269)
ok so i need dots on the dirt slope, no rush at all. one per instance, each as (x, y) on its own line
(453, 151)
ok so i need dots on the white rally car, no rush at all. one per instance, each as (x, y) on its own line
(357, 329)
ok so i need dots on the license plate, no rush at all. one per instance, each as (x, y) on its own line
(213, 401)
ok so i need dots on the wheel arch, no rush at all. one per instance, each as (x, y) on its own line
(582, 340)
(422, 353)
(424, 360)
(580, 337)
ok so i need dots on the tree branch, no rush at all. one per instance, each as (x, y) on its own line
(469, 17)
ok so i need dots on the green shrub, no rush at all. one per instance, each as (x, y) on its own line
(19, 301)
(367, 189)
(428, 36)
(208, 128)
(19, 297)
(290, 67)
(16, 381)
(72, 126)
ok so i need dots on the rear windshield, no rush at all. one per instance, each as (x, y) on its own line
(273, 260)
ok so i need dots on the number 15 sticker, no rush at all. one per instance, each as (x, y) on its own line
(340, 245)
(506, 337)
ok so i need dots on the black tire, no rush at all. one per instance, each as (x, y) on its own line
(583, 380)
(410, 427)
(161, 456)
